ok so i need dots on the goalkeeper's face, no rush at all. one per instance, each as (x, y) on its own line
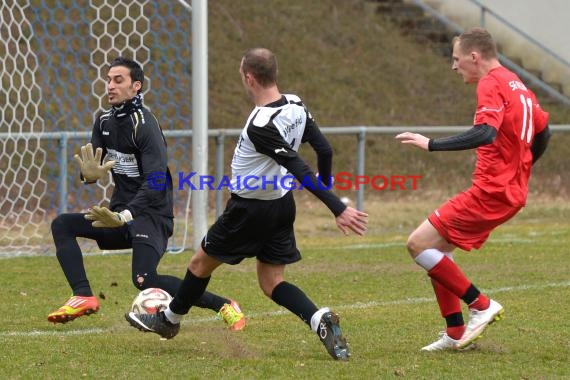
(120, 86)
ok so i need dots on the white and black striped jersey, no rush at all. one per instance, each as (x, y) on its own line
(265, 158)
(131, 136)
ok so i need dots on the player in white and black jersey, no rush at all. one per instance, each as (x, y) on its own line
(139, 216)
(266, 157)
(258, 219)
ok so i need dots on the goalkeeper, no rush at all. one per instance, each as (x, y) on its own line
(131, 142)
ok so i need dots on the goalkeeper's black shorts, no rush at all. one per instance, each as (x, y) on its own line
(144, 229)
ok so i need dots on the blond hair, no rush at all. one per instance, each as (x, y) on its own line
(478, 39)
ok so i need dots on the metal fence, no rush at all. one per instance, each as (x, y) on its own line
(61, 142)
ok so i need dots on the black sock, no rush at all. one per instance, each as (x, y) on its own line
(207, 301)
(471, 294)
(190, 291)
(293, 299)
(454, 320)
(211, 301)
(69, 255)
(166, 282)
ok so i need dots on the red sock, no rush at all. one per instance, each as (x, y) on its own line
(448, 274)
(448, 302)
(481, 303)
(455, 332)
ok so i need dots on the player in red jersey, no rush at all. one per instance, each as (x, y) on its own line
(510, 133)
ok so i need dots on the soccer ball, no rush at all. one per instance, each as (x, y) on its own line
(150, 300)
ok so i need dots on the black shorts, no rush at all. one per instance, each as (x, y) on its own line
(146, 229)
(254, 228)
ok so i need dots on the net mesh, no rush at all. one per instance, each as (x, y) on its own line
(53, 61)
(22, 160)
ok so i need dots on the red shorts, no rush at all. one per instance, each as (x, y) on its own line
(467, 219)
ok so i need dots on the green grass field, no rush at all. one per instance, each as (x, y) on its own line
(385, 302)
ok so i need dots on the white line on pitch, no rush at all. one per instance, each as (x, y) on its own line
(34, 333)
(357, 305)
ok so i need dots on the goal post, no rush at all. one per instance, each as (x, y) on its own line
(53, 61)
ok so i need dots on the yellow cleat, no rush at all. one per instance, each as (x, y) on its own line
(75, 307)
(233, 316)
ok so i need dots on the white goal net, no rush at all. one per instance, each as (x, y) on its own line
(21, 159)
(53, 61)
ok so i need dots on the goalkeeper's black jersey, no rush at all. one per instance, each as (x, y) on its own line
(131, 136)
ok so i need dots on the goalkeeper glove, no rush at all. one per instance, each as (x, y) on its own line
(91, 168)
(103, 217)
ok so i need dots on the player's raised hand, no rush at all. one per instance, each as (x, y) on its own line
(352, 220)
(414, 139)
(90, 164)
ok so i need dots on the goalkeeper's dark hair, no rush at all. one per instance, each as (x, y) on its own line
(136, 71)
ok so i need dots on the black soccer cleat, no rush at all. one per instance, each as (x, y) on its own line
(156, 323)
(331, 336)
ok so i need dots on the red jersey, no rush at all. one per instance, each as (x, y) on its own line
(503, 167)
